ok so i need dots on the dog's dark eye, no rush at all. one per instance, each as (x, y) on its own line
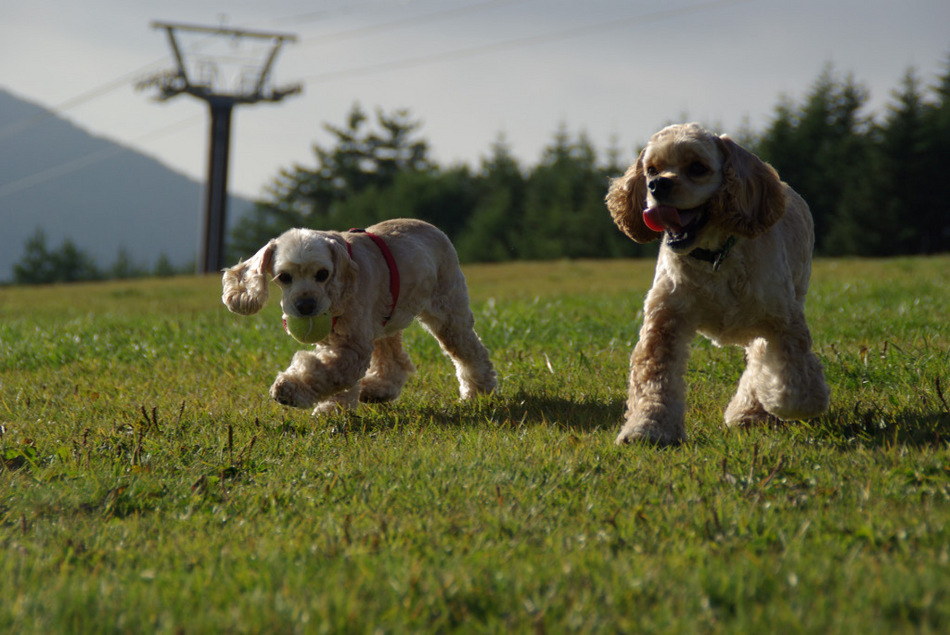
(697, 169)
(284, 278)
(322, 275)
(651, 171)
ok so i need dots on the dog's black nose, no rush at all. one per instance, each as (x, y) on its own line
(306, 306)
(660, 186)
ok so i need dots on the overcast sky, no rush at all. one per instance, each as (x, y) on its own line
(469, 70)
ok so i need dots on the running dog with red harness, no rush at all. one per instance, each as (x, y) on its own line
(373, 283)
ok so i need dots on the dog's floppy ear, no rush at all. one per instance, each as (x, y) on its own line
(626, 200)
(245, 284)
(752, 196)
(346, 272)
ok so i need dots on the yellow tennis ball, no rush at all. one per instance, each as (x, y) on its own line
(308, 330)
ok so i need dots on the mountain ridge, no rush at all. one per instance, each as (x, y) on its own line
(103, 196)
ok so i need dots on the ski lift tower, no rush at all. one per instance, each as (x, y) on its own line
(206, 77)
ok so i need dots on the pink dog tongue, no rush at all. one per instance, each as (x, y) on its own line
(662, 217)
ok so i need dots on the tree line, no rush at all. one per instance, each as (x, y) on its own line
(380, 168)
(43, 264)
(876, 185)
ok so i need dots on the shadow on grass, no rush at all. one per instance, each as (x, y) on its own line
(863, 426)
(584, 415)
(513, 412)
(875, 427)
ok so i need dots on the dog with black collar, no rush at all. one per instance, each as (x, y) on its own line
(734, 265)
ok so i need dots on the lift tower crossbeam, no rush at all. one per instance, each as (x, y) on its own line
(221, 100)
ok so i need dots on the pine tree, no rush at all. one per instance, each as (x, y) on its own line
(821, 147)
(361, 158)
(935, 230)
(37, 265)
(495, 225)
(904, 182)
(40, 265)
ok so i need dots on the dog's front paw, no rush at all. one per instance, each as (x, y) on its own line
(329, 408)
(744, 413)
(641, 430)
(339, 403)
(289, 391)
(375, 389)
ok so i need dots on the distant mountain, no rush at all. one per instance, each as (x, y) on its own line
(103, 196)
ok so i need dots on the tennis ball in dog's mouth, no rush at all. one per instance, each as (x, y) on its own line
(308, 330)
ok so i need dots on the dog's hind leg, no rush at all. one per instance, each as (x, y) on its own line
(745, 406)
(451, 322)
(389, 370)
(791, 384)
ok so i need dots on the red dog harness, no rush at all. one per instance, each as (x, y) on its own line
(390, 262)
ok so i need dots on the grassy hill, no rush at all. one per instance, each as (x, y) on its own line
(148, 484)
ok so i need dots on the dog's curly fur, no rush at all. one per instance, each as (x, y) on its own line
(734, 202)
(363, 358)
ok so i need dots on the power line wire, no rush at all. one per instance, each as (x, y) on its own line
(81, 162)
(312, 16)
(407, 22)
(89, 95)
(74, 165)
(119, 82)
(507, 45)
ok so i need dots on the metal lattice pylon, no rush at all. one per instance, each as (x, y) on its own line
(203, 78)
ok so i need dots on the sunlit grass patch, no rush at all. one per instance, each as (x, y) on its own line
(148, 483)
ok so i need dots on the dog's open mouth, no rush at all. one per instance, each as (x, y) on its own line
(681, 226)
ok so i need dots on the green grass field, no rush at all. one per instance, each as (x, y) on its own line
(148, 483)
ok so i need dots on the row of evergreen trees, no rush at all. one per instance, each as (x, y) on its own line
(876, 185)
(499, 211)
(43, 264)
